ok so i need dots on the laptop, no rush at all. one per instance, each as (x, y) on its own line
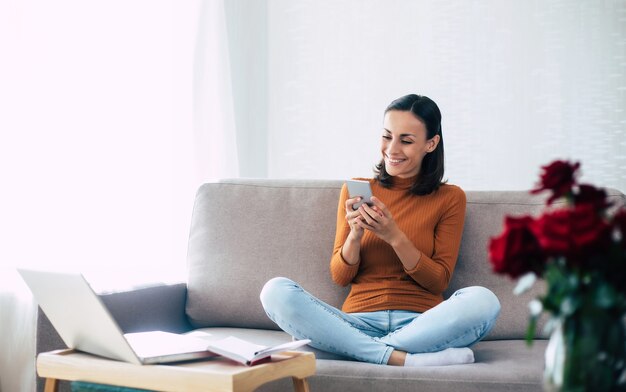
(84, 323)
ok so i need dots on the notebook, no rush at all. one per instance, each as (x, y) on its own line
(84, 323)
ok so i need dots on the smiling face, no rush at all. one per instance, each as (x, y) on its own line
(404, 143)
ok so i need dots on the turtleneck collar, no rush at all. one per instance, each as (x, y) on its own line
(403, 183)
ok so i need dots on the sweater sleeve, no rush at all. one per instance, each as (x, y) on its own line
(341, 272)
(434, 273)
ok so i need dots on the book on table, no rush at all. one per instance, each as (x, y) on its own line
(248, 353)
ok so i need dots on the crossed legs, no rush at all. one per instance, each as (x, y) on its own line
(385, 337)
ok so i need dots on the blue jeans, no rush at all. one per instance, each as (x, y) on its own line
(460, 321)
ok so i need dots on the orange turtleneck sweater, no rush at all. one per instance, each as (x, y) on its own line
(433, 223)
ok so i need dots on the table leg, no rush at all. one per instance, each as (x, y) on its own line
(52, 385)
(300, 384)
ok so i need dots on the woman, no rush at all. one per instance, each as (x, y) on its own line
(398, 255)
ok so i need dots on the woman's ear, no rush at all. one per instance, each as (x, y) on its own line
(432, 143)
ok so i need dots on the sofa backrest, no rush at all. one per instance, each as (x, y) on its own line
(244, 232)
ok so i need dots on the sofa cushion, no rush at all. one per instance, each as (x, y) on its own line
(484, 219)
(505, 365)
(492, 371)
(245, 232)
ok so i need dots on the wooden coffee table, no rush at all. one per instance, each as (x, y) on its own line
(215, 374)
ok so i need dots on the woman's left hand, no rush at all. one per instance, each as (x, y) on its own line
(378, 220)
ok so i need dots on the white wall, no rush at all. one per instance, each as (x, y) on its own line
(519, 84)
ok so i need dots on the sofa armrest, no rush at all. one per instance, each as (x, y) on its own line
(159, 307)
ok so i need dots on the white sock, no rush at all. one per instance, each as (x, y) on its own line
(449, 356)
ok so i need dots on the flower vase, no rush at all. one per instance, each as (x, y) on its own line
(587, 353)
(555, 360)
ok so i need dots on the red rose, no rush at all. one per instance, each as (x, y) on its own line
(588, 194)
(516, 251)
(575, 233)
(557, 177)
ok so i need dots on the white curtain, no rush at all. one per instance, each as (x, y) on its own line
(111, 115)
(519, 83)
(214, 117)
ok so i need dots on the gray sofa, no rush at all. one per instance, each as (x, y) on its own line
(244, 232)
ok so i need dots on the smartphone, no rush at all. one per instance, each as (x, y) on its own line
(360, 188)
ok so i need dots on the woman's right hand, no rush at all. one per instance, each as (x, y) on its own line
(356, 231)
(350, 251)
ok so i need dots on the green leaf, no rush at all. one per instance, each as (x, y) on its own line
(605, 296)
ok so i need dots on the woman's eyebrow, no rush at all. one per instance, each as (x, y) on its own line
(401, 135)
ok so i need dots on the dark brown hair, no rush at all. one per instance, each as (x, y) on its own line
(431, 171)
